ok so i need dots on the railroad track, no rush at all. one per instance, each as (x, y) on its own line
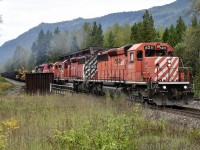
(15, 82)
(184, 111)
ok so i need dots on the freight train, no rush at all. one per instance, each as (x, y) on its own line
(144, 72)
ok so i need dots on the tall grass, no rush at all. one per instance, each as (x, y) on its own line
(4, 85)
(79, 121)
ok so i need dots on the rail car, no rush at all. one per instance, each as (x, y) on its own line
(144, 72)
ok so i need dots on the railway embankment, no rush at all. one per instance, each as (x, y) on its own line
(17, 88)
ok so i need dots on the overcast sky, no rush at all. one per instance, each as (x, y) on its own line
(21, 15)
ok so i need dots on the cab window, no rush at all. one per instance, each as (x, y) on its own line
(160, 53)
(139, 55)
(131, 57)
(149, 53)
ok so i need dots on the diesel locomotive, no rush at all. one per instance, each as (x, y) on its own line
(144, 72)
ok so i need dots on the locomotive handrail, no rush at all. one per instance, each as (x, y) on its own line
(112, 75)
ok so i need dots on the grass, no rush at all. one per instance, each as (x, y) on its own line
(4, 85)
(79, 121)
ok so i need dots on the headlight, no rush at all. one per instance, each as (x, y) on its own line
(164, 87)
(185, 87)
(169, 65)
(169, 61)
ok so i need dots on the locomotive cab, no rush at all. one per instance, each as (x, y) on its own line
(57, 70)
(154, 66)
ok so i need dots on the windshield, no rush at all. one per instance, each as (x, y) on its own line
(151, 53)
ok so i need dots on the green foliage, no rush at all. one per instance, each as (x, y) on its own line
(197, 85)
(148, 32)
(195, 9)
(172, 36)
(74, 45)
(180, 29)
(96, 35)
(19, 59)
(86, 29)
(111, 39)
(194, 22)
(189, 52)
(57, 31)
(195, 135)
(4, 85)
(136, 33)
(79, 121)
(2, 139)
(165, 35)
(58, 46)
(145, 31)
(2, 79)
(120, 36)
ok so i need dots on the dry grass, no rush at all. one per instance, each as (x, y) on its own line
(79, 121)
(4, 85)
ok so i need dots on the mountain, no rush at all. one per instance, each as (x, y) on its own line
(163, 16)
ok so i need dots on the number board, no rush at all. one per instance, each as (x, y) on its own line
(163, 48)
(149, 47)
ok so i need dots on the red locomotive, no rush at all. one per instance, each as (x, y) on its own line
(145, 72)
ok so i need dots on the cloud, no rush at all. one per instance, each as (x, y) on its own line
(21, 15)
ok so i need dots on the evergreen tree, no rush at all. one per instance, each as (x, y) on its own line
(34, 47)
(149, 32)
(93, 35)
(172, 36)
(41, 48)
(111, 39)
(194, 22)
(136, 32)
(86, 30)
(58, 46)
(74, 45)
(99, 36)
(49, 37)
(96, 35)
(165, 36)
(57, 31)
(180, 29)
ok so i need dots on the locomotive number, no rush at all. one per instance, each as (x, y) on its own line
(118, 61)
(163, 47)
(149, 47)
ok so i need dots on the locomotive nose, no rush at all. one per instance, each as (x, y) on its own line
(166, 69)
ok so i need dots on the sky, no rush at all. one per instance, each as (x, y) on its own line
(21, 15)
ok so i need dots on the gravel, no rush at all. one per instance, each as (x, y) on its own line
(195, 104)
(182, 121)
(16, 90)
